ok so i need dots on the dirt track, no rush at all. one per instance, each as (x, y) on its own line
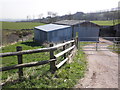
(102, 70)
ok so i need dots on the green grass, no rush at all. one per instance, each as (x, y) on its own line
(106, 23)
(115, 48)
(19, 25)
(39, 76)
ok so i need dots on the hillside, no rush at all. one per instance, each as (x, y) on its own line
(106, 22)
(101, 15)
(20, 25)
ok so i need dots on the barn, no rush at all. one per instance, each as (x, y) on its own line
(87, 31)
(117, 29)
(52, 33)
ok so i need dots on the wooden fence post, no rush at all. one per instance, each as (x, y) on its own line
(79, 45)
(20, 72)
(72, 43)
(97, 42)
(96, 46)
(76, 41)
(52, 63)
(64, 47)
(114, 44)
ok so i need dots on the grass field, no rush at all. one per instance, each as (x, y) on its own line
(31, 25)
(12, 30)
(106, 23)
(19, 25)
(39, 76)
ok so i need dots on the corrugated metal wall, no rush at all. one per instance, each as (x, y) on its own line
(90, 32)
(60, 35)
(40, 36)
(53, 36)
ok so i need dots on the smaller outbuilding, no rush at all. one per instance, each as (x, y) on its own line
(117, 29)
(52, 33)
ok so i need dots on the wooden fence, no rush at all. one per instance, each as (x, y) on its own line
(51, 50)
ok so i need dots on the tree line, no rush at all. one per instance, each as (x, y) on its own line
(100, 15)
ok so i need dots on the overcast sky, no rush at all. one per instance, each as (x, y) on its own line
(20, 9)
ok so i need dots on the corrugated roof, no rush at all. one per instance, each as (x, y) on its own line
(51, 27)
(73, 22)
(69, 22)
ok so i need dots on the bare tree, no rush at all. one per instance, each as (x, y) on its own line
(28, 18)
(70, 16)
(52, 16)
(33, 16)
(49, 14)
(40, 16)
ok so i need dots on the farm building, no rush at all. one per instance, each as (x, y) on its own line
(117, 29)
(52, 33)
(110, 31)
(87, 31)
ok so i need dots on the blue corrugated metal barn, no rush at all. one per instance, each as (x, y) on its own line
(52, 33)
(87, 31)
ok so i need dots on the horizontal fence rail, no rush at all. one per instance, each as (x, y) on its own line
(27, 52)
(65, 51)
(35, 50)
(100, 43)
(61, 63)
(101, 37)
(53, 58)
(26, 65)
(63, 44)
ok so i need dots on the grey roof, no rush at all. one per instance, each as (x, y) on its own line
(51, 27)
(73, 22)
(69, 22)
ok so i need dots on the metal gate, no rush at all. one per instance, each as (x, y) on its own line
(101, 44)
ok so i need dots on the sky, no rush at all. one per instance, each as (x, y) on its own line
(20, 9)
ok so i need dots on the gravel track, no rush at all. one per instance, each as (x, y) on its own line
(102, 69)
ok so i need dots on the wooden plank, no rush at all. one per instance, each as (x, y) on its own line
(65, 51)
(64, 47)
(27, 51)
(61, 63)
(35, 50)
(26, 65)
(63, 44)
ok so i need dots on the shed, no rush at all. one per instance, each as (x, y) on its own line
(52, 33)
(117, 29)
(87, 31)
(110, 31)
